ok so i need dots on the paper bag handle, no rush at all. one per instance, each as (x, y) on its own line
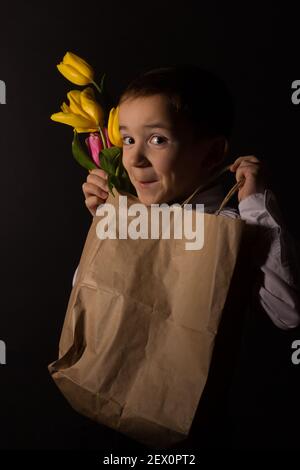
(230, 193)
(212, 179)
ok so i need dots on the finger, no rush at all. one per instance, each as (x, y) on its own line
(92, 203)
(98, 181)
(99, 172)
(247, 158)
(241, 181)
(93, 190)
(246, 170)
(245, 165)
(90, 189)
(240, 160)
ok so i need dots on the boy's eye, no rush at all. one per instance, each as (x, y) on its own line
(155, 139)
(126, 140)
(158, 139)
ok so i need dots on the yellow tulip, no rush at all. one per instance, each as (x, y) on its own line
(83, 113)
(76, 70)
(113, 128)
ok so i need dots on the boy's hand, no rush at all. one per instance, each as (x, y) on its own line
(95, 189)
(254, 173)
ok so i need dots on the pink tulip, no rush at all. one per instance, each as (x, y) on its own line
(94, 145)
(109, 144)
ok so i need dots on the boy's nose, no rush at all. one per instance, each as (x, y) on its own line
(138, 157)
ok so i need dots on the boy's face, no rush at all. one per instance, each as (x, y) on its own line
(164, 162)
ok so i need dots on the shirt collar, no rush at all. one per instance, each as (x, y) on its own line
(211, 198)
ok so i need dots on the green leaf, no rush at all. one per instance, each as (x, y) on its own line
(109, 159)
(80, 155)
(111, 162)
(102, 82)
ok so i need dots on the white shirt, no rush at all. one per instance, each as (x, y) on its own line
(278, 293)
(279, 290)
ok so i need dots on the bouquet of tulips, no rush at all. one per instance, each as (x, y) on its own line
(88, 115)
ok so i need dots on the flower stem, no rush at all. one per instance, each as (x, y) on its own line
(102, 138)
(97, 86)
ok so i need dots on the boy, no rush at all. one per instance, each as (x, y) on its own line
(175, 124)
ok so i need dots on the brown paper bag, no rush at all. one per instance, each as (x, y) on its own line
(139, 331)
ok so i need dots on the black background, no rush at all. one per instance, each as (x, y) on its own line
(45, 222)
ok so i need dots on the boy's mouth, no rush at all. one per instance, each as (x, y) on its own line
(145, 184)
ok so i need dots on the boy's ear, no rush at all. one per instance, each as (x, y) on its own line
(226, 147)
(218, 150)
(220, 147)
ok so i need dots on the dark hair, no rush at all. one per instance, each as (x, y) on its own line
(193, 92)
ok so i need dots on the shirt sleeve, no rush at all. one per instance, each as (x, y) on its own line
(279, 290)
